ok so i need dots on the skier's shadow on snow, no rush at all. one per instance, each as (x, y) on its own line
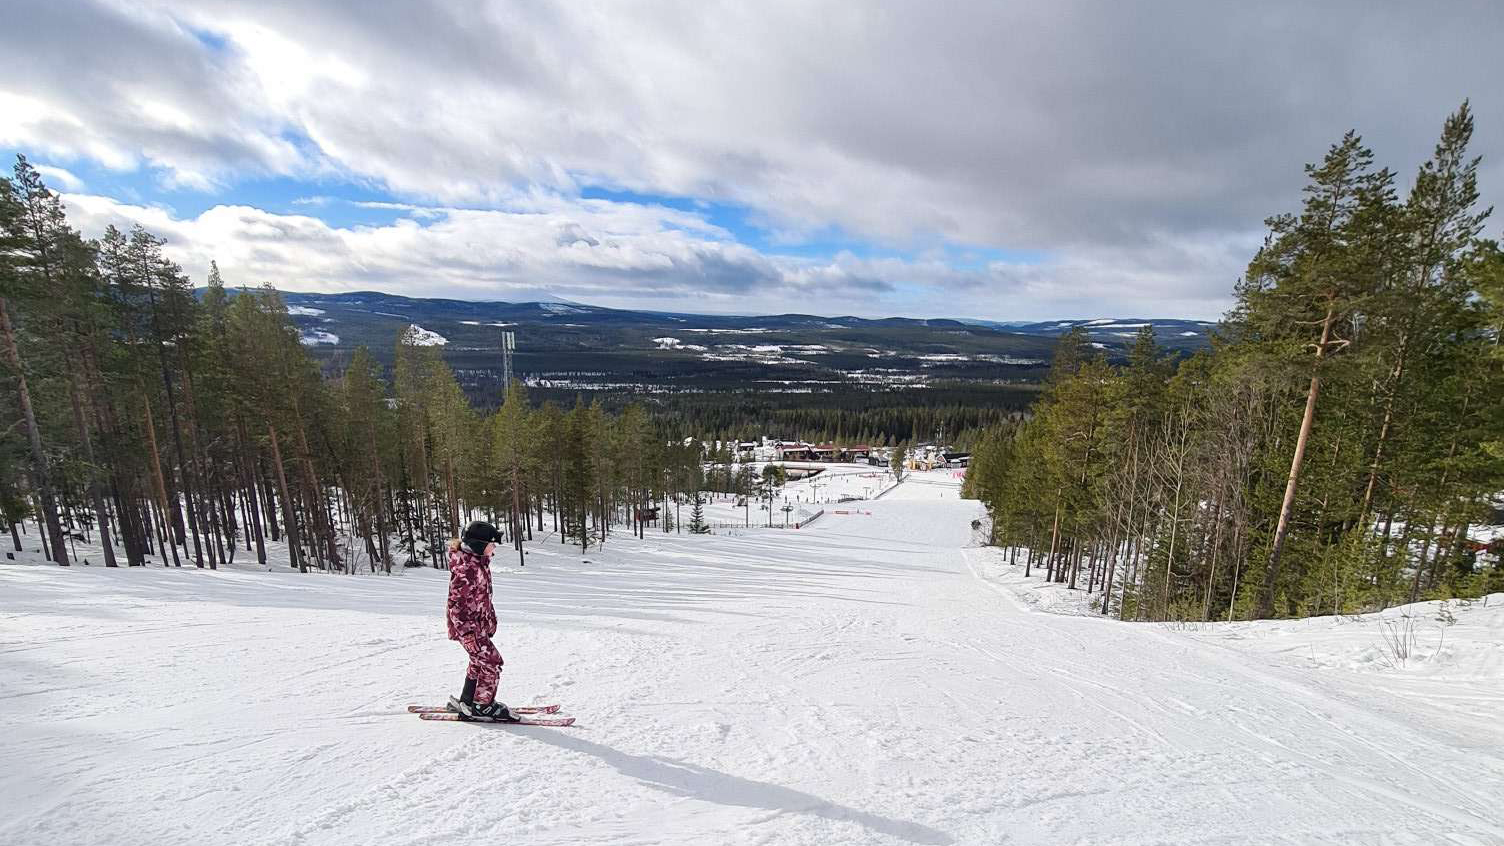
(696, 782)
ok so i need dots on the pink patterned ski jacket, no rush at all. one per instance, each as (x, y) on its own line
(470, 612)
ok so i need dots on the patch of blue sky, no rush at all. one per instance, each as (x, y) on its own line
(337, 202)
(127, 186)
(728, 216)
(212, 41)
(750, 227)
(343, 202)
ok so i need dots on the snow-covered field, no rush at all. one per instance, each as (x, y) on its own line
(832, 489)
(870, 679)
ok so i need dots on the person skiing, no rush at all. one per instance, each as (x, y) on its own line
(472, 622)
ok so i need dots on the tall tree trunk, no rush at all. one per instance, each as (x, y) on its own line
(41, 478)
(184, 473)
(1378, 451)
(289, 521)
(101, 516)
(253, 515)
(323, 521)
(381, 513)
(1049, 575)
(160, 479)
(266, 483)
(516, 515)
(1287, 507)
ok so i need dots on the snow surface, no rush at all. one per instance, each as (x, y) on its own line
(838, 487)
(873, 678)
(304, 311)
(309, 337)
(426, 338)
(676, 344)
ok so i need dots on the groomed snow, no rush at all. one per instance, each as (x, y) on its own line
(873, 678)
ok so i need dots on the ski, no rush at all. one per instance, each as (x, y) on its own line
(451, 717)
(519, 709)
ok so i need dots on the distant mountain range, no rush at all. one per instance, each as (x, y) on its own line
(1114, 332)
(574, 346)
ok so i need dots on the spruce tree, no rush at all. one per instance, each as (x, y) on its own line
(697, 524)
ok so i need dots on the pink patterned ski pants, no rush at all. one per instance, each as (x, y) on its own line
(485, 667)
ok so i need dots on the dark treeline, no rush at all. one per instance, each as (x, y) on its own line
(877, 418)
(179, 429)
(1328, 455)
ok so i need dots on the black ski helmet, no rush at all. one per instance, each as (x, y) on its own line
(478, 534)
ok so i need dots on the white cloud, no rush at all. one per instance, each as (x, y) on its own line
(57, 177)
(1139, 146)
(625, 255)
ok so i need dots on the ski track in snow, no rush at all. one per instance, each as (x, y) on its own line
(869, 679)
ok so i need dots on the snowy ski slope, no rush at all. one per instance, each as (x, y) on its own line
(869, 679)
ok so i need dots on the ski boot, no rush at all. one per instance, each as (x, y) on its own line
(491, 712)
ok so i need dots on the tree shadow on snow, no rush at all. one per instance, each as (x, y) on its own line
(696, 782)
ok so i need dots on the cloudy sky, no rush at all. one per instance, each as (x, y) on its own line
(1003, 160)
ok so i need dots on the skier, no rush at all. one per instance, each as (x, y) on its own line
(472, 622)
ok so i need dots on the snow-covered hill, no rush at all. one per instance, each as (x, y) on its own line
(872, 678)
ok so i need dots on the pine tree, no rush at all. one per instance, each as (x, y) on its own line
(366, 426)
(578, 482)
(513, 460)
(697, 524)
(1317, 268)
(32, 228)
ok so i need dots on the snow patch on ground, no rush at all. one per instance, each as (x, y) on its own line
(676, 344)
(761, 353)
(310, 337)
(421, 337)
(1448, 640)
(304, 311)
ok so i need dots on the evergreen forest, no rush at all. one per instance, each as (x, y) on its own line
(1329, 454)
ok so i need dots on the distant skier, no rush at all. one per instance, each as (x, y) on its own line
(472, 622)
